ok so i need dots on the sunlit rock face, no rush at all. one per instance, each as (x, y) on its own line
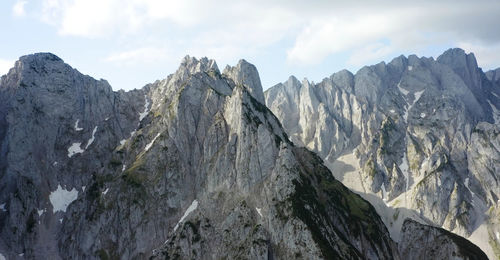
(192, 166)
(417, 137)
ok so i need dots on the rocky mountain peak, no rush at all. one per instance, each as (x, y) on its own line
(401, 61)
(344, 79)
(293, 80)
(187, 166)
(293, 86)
(38, 63)
(493, 75)
(414, 133)
(246, 74)
(465, 65)
(40, 57)
(194, 65)
(191, 65)
(456, 56)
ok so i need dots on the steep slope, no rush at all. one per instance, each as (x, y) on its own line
(57, 129)
(439, 243)
(407, 135)
(193, 166)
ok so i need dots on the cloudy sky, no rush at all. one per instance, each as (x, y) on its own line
(134, 42)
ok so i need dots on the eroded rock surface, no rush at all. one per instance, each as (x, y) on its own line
(192, 166)
(417, 137)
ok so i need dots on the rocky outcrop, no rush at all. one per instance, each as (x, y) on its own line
(57, 130)
(438, 243)
(192, 166)
(406, 135)
(246, 75)
(493, 75)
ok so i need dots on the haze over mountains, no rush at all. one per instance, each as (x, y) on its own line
(196, 166)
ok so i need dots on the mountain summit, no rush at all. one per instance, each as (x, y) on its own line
(417, 137)
(193, 166)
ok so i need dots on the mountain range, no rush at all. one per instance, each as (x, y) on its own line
(399, 161)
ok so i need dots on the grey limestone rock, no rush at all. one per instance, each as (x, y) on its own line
(412, 132)
(246, 74)
(493, 75)
(192, 166)
(438, 243)
(58, 128)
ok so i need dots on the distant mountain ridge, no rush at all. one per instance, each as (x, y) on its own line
(417, 136)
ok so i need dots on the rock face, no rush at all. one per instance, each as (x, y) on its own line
(192, 166)
(57, 128)
(439, 243)
(417, 137)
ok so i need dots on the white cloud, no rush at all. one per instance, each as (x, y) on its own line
(51, 11)
(325, 36)
(18, 8)
(140, 56)
(5, 66)
(101, 18)
(231, 29)
(405, 27)
(370, 53)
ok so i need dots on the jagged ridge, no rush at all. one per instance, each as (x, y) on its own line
(186, 167)
(411, 132)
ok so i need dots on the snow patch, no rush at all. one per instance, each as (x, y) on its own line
(384, 193)
(410, 68)
(2, 257)
(74, 149)
(122, 142)
(2, 207)
(392, 111)
(422, 115)
(55, 163)
(405, 170)
(76, 126)
(91, 140)
(151, 143)
(124, 167)
(405, 115)
(404, 91)
(190, 209)
(466, 183)
(146, 109)
(259, 210)
(105, 191)
(40, 212)
(60, 220)
(418, 94)
(61, 198)
(106, 119)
